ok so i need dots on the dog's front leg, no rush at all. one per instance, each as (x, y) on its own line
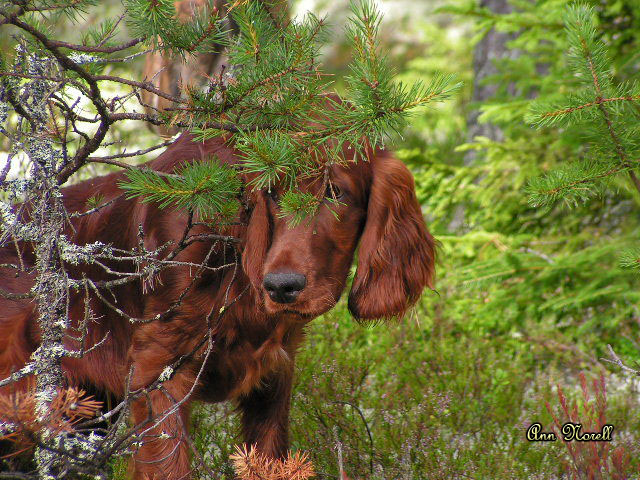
(265, 414)
(162, 419)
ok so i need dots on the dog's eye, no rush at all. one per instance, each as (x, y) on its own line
(333, 191)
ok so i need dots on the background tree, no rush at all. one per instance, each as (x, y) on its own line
(172, 73)
(489, 50)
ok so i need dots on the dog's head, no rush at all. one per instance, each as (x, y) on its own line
(303, 269)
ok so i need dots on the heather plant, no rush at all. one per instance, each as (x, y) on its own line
(588, 460)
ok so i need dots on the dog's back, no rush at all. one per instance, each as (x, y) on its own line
(19, 335)
(18, 338)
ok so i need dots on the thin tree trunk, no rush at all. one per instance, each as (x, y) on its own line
(51, 295)
(51, 284)
(492, 47)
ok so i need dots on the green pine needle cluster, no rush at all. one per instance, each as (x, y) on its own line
(607, 113)
(74, 10)
(384, 104)
(272, 156)
(631, 259)
(573, 183)
(208, 188)
(298, 206)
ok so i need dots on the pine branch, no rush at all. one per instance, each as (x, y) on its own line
(298, 207)
(631, 259)
(273, 156)
(209, 188)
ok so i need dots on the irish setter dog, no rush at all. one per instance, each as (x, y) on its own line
(286, 277)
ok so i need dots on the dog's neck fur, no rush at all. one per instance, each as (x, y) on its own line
(248, 343)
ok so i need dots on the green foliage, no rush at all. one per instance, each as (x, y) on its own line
(273, 156)
(574, 182)
(156, 21)
(95, 201)
(371, 83)
(525, 265)
(298, 206)
(440, 402)
(426, 399)
(587, 55)
(58, 10)
(631, 259)
(204, 187)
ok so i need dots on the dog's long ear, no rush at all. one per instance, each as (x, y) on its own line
(396, 259)
(257, 242)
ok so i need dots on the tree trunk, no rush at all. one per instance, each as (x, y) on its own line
(491, 48)
(48, 220)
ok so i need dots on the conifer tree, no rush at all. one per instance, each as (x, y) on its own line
(607, 111)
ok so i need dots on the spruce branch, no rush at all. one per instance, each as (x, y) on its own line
(566, 112)
(599, 104)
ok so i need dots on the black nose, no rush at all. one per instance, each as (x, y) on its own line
(284, 287)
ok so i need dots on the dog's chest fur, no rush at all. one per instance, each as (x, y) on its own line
(242, 361)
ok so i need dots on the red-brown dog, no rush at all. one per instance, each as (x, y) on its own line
(287, 277)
